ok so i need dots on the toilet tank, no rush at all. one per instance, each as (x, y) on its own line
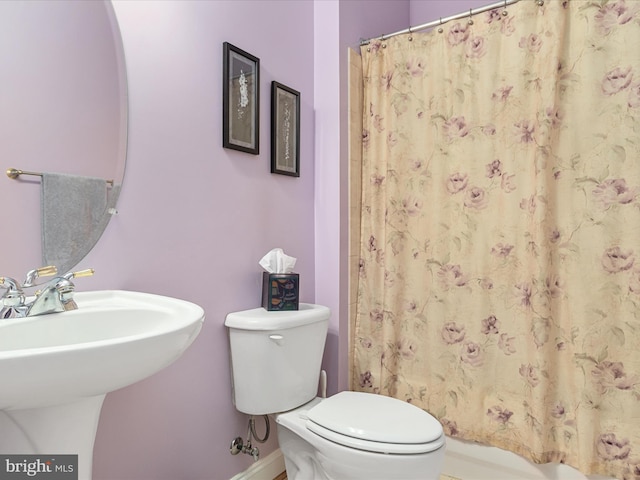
(276, 357)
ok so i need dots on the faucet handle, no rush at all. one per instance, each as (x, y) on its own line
(64, 284)
(39, 272)
(65, 287)
(79, 274)
(8, 283)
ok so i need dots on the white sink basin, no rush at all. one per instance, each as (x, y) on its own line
(113, 339)
(56, 369)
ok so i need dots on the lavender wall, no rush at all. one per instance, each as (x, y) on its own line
(328, 177)
(195, 219)
(424, 11)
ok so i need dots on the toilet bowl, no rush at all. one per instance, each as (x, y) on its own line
(275, 366)
(358, 436)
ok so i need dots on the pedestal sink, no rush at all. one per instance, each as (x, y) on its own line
(56, 369)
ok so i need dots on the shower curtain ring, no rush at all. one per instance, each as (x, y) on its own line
(504, 12)
(410, 35)
(440, 29)
(470, 21)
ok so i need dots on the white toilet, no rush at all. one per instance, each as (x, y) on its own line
(275, 363)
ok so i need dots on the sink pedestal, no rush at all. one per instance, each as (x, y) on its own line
(59, 429)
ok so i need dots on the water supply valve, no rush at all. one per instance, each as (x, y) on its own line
(238, 446)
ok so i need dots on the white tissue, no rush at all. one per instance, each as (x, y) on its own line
(277, 262)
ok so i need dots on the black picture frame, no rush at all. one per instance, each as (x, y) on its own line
(285, 130)
(241, 100)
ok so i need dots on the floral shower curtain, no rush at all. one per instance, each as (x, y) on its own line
(499, 283)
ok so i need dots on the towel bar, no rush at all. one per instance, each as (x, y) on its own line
(15, 173)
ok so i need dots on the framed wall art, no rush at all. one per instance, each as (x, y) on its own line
(241, 100)
(285, 130)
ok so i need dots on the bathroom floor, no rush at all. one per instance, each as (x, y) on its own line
(283, 476)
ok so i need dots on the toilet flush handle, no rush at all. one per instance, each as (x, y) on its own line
(279, 339)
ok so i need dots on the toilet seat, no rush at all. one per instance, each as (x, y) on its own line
(375, 423)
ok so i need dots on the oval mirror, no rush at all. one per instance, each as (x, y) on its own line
(63, 110)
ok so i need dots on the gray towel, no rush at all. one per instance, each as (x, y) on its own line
(74, 214)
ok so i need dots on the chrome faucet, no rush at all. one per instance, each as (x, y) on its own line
(56, 296)
(12, 300)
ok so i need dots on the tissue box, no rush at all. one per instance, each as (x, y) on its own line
(280, 291)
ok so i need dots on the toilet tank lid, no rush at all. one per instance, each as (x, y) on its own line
(261, 319)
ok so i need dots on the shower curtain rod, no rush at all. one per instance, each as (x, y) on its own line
(440, 21)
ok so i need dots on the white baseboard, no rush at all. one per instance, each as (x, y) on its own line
(267, 468)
